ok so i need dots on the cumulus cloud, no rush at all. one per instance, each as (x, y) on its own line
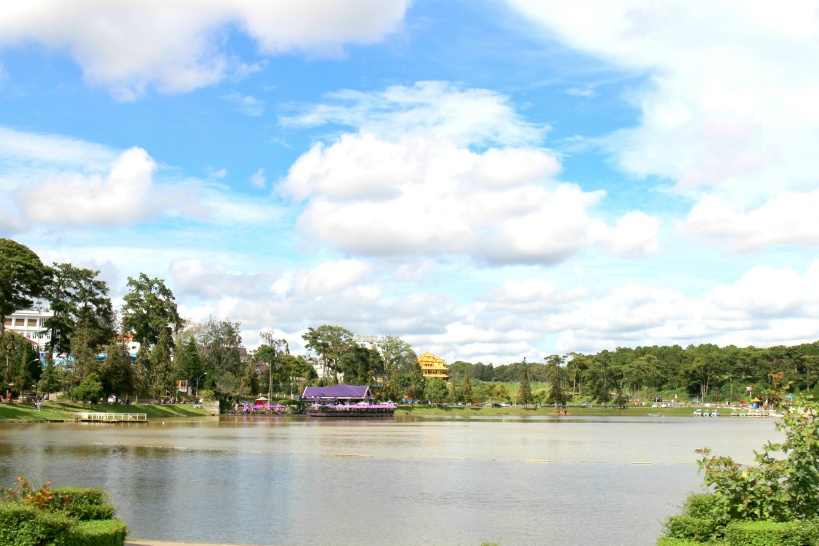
(727, 104)
(178, 46)
(420, 180)
(788, 219)
(123, 195)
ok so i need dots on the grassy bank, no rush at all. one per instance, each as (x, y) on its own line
(519, 411)
(61, 411)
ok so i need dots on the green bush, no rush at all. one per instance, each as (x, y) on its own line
(668, 541)
(702, 519)
(25, 525)
(782, 486)
(108, 532)
(83, 503)
(770, 533)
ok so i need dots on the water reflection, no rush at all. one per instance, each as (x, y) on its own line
(410, 481)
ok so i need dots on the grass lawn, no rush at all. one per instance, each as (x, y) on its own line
(65, 410)
(467, 411)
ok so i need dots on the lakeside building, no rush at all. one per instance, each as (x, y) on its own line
(432, 366)
(30, 323)
(347, 394)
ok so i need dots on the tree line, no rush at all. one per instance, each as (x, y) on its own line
(210, 356)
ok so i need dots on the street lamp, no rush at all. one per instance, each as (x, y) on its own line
(197, 382)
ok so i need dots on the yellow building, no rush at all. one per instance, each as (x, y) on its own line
(432, 366)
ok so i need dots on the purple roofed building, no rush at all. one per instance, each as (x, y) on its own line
(348, 394)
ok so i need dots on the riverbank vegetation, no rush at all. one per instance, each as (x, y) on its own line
(57, 411)
(65, 516)
(89, 356)
(770, 503)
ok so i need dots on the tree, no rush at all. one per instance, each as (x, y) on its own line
(466, 389)
(150, 309)
(77, 297)
(361, 365)
(22, 278)
(397, 354)
(436, 391)
(269, 353)
(89, 390)
(50, 380)
(187, 362)
(329, 342)
(84, 361)
(525, 390)
(557, 377)
(162, 380)
(117, 374)
(21, 364)
(221, 341)
(249, 381)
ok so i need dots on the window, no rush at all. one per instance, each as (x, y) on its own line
(20, 322)
(7, 321)
(32, 323)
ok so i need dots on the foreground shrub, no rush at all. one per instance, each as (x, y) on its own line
(782, 487)
(83, 503)
(769, 533)
(65, 516)
(26, 525)
(108, 532)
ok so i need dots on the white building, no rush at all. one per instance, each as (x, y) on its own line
(30, 323)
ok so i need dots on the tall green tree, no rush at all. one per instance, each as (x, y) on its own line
(524, 389)
(163, 381)
(466, 389)
(397, 354)
(329, 343)
(270, 352)
(249, 380)
(117, 373)
(84, 361)
(187, 361)
(150, 309)
(22, 278)
(20, 362)
(361, 365)
(221, 341)
(557, 377)
(436, 391)
(77, 297)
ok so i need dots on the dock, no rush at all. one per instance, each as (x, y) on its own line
(96, 417)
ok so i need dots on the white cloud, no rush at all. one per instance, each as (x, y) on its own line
(434, 109)
(727, 105)
(108, 40)
(123, 195)
(258, 180)
(330, 277)
(788, 219)
(250, 106)
(410, 184)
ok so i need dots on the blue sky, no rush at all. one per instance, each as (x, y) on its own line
(485, 179)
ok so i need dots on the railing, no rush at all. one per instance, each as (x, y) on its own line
(111, 417)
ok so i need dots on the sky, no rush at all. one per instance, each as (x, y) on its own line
(488, 180)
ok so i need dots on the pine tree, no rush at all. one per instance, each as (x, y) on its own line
(525, 390)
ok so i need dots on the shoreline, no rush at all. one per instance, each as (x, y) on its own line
(147, 542)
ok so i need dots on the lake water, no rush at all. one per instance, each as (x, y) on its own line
(295, 481)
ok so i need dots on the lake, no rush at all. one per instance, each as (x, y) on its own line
(295, 481)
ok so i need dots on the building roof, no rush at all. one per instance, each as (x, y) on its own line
(337, 391)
